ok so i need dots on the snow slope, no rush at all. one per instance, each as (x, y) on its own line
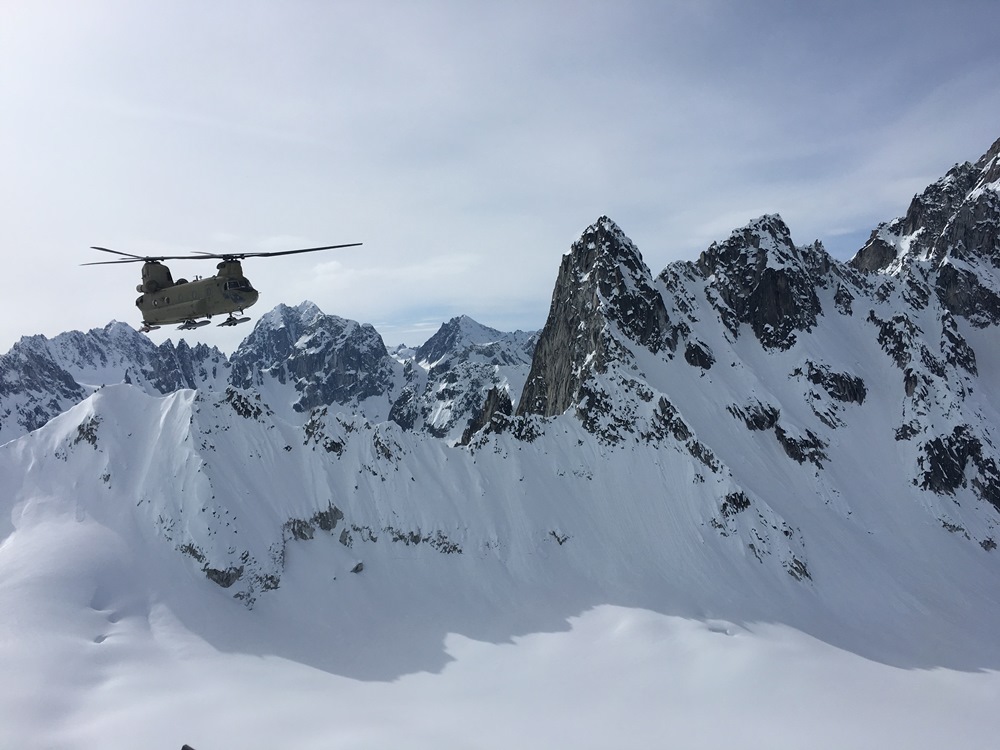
(574, 612)
(751, 499)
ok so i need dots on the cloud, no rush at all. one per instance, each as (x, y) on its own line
(466, 144)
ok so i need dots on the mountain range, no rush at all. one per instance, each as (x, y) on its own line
(762, 434)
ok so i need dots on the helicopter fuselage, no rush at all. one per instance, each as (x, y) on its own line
(165, 301)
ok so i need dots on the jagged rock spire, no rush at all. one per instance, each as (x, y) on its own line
(603, 286)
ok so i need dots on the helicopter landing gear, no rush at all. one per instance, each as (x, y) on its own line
(190, 325)
(232, 321)
(146, 327)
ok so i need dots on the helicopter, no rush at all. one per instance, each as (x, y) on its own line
(164, 301)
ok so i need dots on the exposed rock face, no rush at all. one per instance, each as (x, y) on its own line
(698, 354)
(497, 403)
(603, 285)
(327, 359)
(763, 280)
(949, 234)
(947, 461)
(448, 377)
(41, 378)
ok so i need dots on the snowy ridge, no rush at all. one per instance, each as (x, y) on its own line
(449, 376)
(762, 440)
(365, 493)
(298, 358)
(949, 236)
(40, 378)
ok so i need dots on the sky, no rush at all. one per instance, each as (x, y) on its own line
(466, 144)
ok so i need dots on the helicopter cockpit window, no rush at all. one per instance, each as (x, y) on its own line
(239, 285)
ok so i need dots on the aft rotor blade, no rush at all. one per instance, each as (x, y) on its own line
(303, 250)
(277, 252)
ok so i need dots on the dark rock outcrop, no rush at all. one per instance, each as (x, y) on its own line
(603, 285)
(951, 229)
(41, 378)
(761, 279)
(327, 359)
(497, 403)
(449, 376)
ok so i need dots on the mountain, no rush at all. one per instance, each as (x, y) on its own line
(301, 358)
(763, 442)
(41, 378)
(451, 374)
(319, 359)
(948, 239)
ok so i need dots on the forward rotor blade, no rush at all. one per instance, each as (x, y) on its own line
(133, 258)
(113, 262)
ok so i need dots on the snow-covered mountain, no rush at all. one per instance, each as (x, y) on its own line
(41, 378)
(761, 435)
(300, 358)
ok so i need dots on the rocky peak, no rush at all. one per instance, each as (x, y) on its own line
(759, 277)
(988, 167)
(327, 359)
(604, 292)
(40, 377)
(950, 233)
(456, 335)
(763, 242)
(608, 265)
(448, 378)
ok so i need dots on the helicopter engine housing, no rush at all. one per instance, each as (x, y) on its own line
(155, 276)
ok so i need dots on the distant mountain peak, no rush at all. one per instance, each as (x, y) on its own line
(326, 358)
(457, 334)
(40, 378)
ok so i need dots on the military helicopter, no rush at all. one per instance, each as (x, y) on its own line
(164, 301)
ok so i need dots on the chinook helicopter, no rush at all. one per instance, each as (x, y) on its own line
(164, 301)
